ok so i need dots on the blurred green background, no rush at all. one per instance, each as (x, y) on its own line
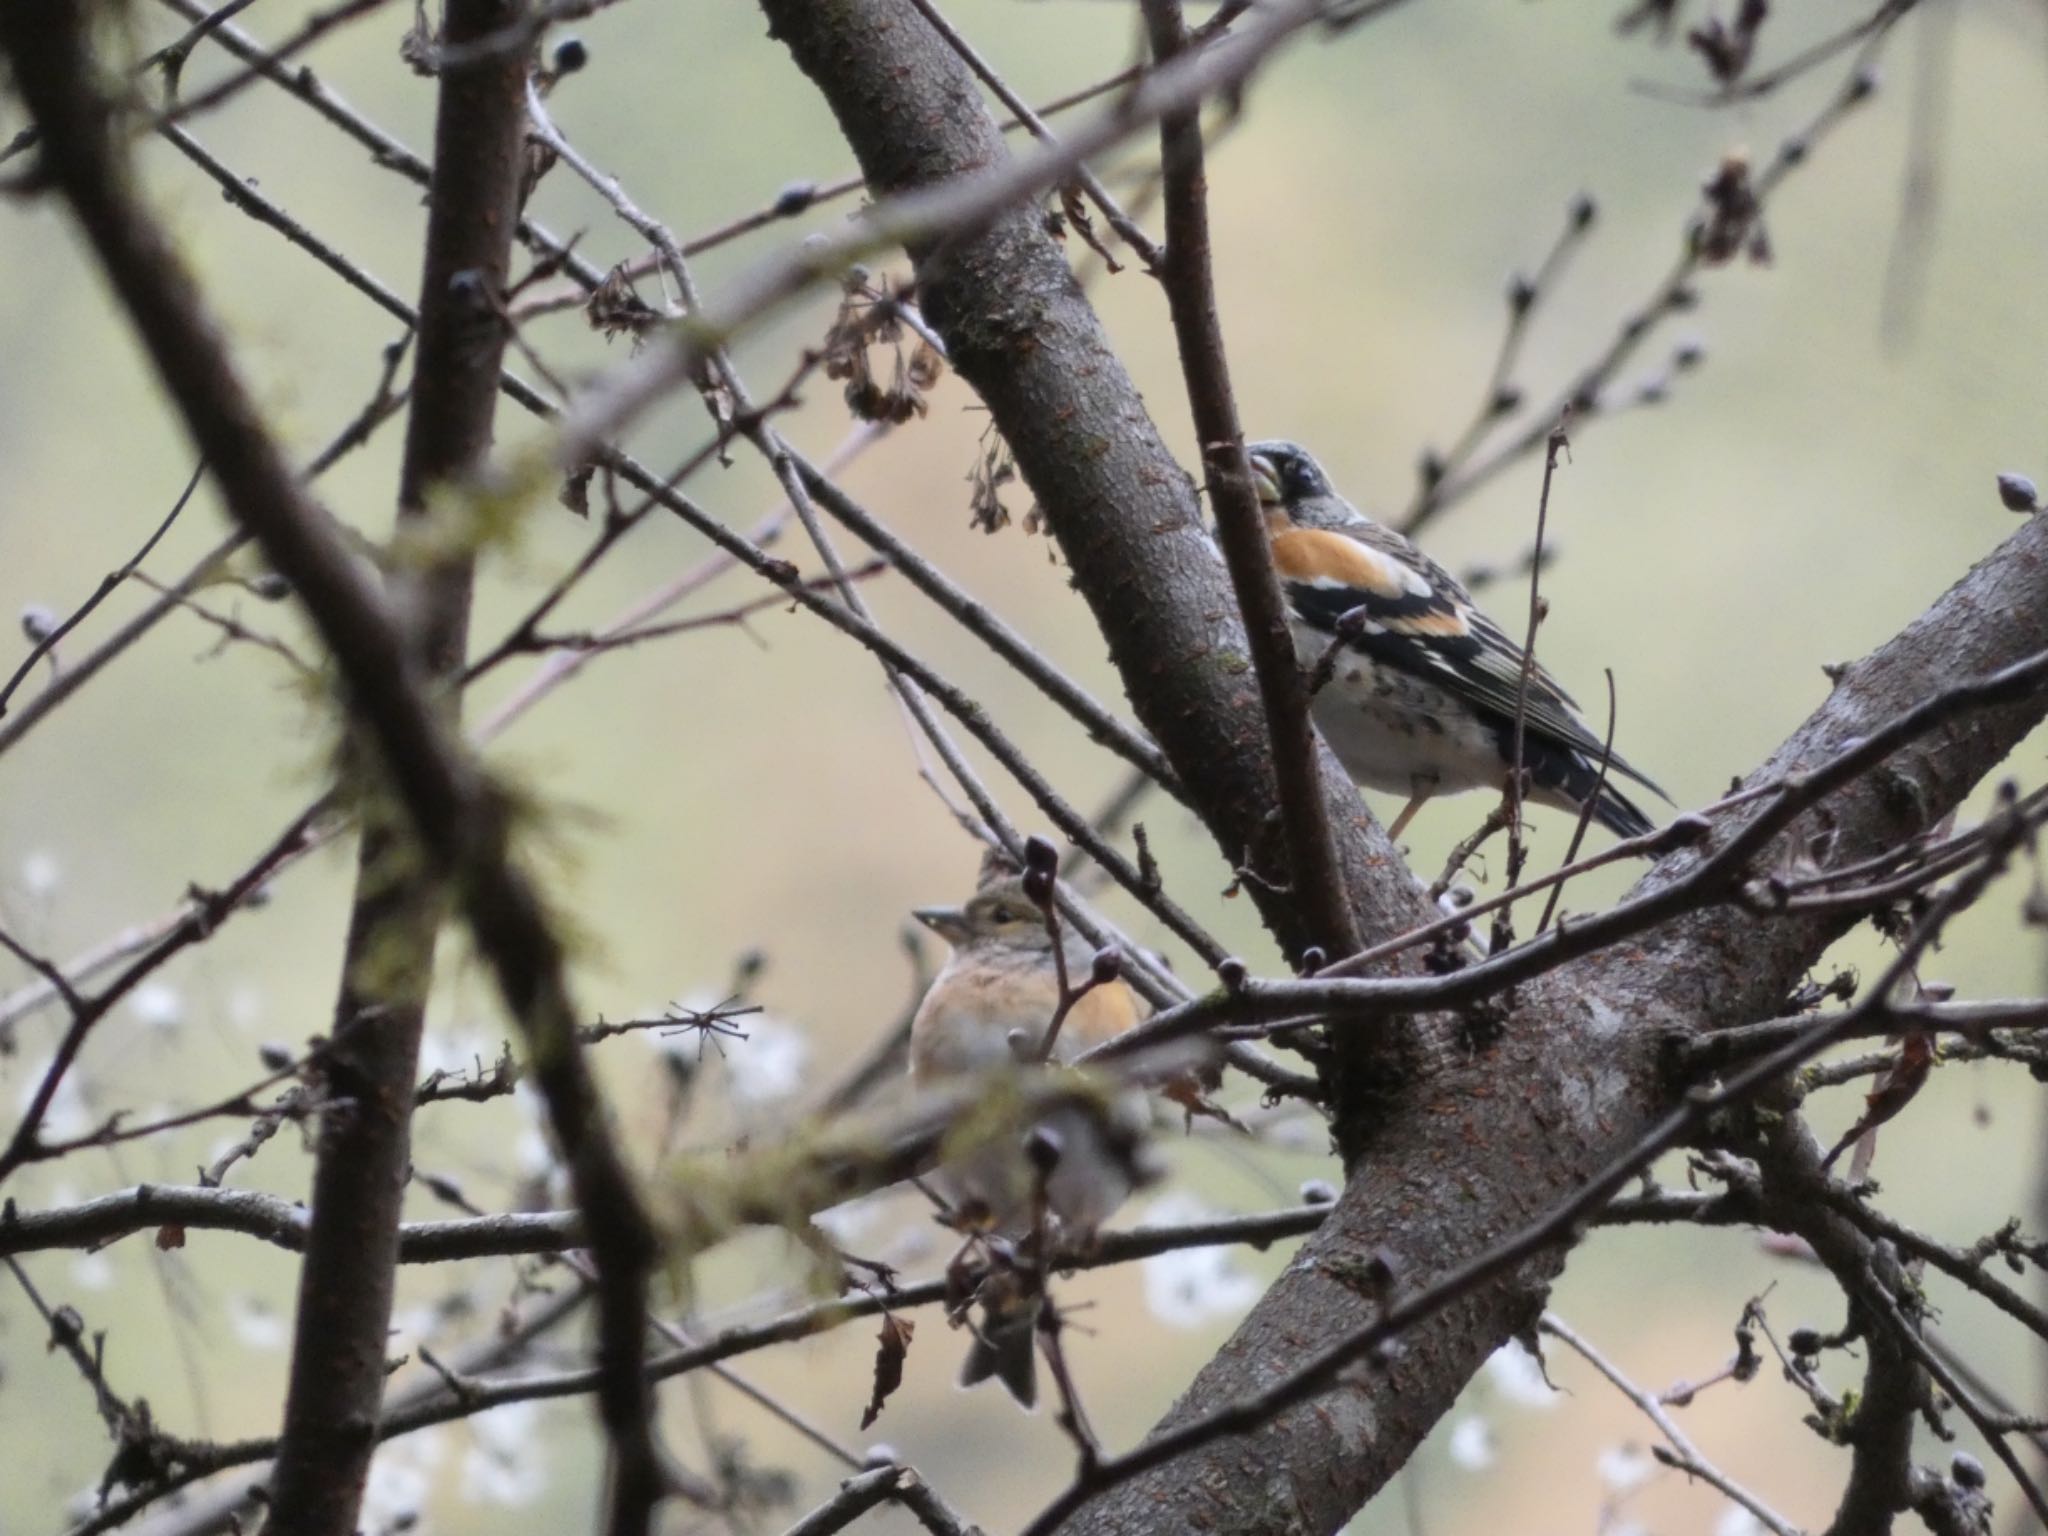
(1825, 475)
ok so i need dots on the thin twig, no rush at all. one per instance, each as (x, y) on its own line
(1682, 1454)
(1571, 851)
(1673, 293)
(1518, 773)
(1020, 109)
(1314, 876)
(46, 645)
(949, 210)
(1500, 399)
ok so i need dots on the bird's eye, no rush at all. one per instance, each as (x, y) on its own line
(1003, 914)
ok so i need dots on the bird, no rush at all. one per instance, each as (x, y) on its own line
(1421, 697)
(987, 1010)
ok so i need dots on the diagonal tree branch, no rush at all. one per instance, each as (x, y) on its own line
(1581, 1051)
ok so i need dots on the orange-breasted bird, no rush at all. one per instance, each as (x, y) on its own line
(986, 1010)
(1421, 700)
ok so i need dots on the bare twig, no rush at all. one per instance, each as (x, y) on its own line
(918, 219)
(1313, 875)
(316, 26)
(195, 922)
(1101, 724)
(46, 644)
(1555, 445)
(1681, 1454)
(1500, 398)
(428, 1403)
(1120, 221)
(1673, 293)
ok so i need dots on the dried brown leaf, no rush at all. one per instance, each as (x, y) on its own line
(892, 1348)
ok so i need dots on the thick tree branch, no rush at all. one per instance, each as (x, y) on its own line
(1880, 1430)
(338, 1366)
(1581, 1051)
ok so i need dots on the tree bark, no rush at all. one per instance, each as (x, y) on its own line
(363, 1159)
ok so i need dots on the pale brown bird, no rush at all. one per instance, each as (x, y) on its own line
(987, 1010)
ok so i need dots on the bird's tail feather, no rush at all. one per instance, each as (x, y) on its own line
(1619, 814)
(1573, 777)
(1003, 1349)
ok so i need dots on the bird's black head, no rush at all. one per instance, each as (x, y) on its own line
(1285, 474)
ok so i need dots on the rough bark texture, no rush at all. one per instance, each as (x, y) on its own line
(363, 1160)
(1479, 1142)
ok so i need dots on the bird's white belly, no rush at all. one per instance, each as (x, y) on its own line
(1396, 732)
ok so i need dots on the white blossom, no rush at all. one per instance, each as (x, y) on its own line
(504, 1464)
(401, 1478)
(1306, 1135)
(256, 1322)
(1472, 1446)
(416, 1323)
(768, 1065)
(92, 1271)
(533, 1151)
(1193, 1287)
(158, 1005)
(1625, 1467)
(246, 1006)
(41, 874)
(1518, 1376)
(458, 1049)
(1737, 1521)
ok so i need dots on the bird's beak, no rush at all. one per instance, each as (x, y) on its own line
(949, 923)
(1267, 481)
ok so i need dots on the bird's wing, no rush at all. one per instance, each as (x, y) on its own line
(1419, 620)
(1102, 1013)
